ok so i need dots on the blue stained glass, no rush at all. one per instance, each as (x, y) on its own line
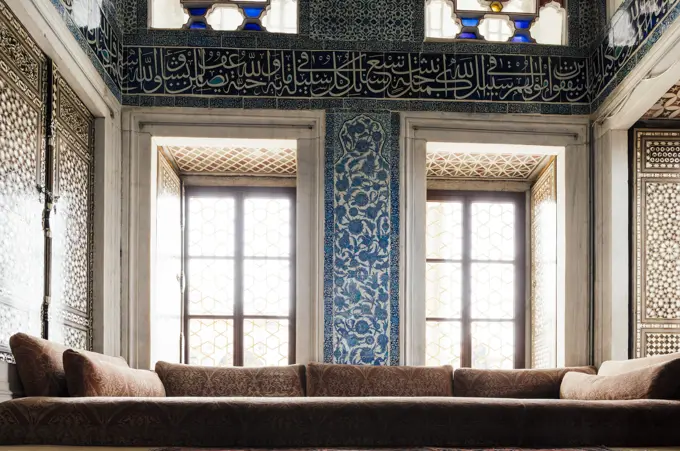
(198, 26)
(522, 24)
(198, 11)
(253, 11)
(470, 22)
(252, 27)
(520, 38)
(467, 35)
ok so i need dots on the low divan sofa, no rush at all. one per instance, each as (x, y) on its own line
(79, 398)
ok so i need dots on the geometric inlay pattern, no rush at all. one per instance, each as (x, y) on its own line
(455, 165)
(668, 106)
(22, 112)
(661, 343)
(662, 155)
(234, 160)
(662, 250)
(544, 269)
(657, 242)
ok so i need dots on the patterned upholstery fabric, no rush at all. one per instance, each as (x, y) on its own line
(90, 377)
(234, 423)
(40, 365)
(616, 367)
(190, 380)
(355, 380)
(539, 384)
(660, 381)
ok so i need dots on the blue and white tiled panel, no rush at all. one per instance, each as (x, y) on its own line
(354, 74)
(361, 242)
(636, 26)
(99, 35)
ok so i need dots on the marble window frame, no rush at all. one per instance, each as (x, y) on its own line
(569, 137)
(143, 128)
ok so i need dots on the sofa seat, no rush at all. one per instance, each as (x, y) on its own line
(337, 422)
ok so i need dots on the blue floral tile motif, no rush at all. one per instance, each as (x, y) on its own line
(361, 277)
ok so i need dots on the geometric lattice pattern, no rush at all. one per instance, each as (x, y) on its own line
(661, 343)
(234, 160)
(456, 165)
(240, 286)
(657, 243)
(470, 243)
(265, 342)
(544, 269)
(668, 106)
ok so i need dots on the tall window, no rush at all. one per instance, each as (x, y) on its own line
(276, 16)
(475, 279)
(522, 21)
(240, 266)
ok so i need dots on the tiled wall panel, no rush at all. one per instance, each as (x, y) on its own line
(361, 246)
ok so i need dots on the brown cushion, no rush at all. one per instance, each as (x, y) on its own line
(660, 381)
(616, 367)
(192, 380)
(355, 380)
(40, 364)
(91, 377)
(537, 384)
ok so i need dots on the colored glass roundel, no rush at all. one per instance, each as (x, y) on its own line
(520, 21)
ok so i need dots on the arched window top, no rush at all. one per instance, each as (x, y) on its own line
(277, 16)
(522, 21)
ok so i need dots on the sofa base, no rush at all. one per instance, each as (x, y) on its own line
(355, 423)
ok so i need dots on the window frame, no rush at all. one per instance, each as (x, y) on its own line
(240, 194)
(467, 198)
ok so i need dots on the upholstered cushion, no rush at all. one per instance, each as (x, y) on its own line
(354, 380)
(190, 380)
(538, 384)
(616, 367)
(660, 381)
(86, 376)
(40, 365)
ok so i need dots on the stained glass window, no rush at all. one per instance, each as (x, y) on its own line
(239, 301)
(474, 279)
(520, 21)
(276, 16)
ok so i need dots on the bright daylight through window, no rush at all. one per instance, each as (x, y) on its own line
(276, 16)
(521, 21)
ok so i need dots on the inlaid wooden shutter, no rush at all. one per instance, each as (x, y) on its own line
(23, 69)
(656, 242)
(72, 219)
